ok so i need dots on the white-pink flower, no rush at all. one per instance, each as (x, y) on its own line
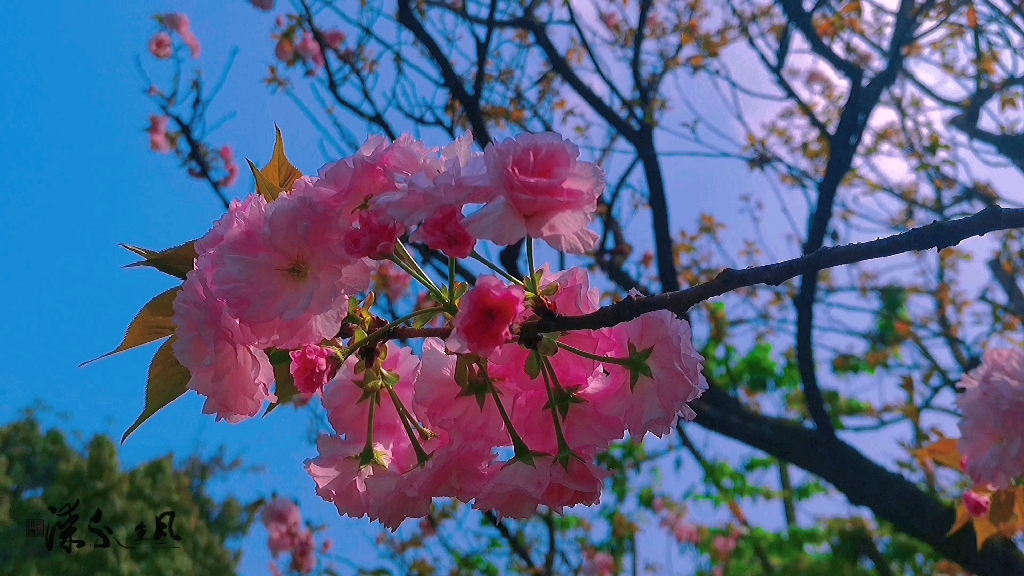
(161, 46)
(485, 317)
(158, 141)
(181, 24)
(313, 367)
(282, 272)
(675, 366)
(992, 431)
(219, 353)
(543, 190)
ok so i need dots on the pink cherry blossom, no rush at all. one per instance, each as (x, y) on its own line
(724, 545)
(348, 412)
(283, 521)
(309, 50)
(158, 140)
(227, 155)
(485, 316)
(391, 280)
(440, 399)
(444, 232)
(543, 190)
(379, 168)
(655, 401)
(291, 250)
(375, 238)
(181, 24)
(304, 553)
(515, 489)
(284, 50)
(313, 367)
(161, 45)
(219, 354)
(598, 564)
(992, 431)
(978, 505)
(334, 39)
(264, 5)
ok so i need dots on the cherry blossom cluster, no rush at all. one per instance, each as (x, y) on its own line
(161, 45)
(489, 412)
(289, 535)
(992, 431)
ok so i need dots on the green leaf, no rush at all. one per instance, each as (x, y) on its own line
(264, 186)
(279, 171)
(152, 323)
(285, 390)
(168, 381)
(177, 261)
(533, 365)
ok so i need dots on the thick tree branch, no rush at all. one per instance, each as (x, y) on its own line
(890, 496)
(935, 235)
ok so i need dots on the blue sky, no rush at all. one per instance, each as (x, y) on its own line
(79, 179)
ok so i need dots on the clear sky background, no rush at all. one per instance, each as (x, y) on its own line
(79, 178)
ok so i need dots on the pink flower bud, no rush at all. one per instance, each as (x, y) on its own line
(161, 46)
(313, 367)
(264, 5)
(977, 504)
(334, 38)
(158, 141)
(285, 50)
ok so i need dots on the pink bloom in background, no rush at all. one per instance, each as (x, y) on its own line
(375, 238)
(992, 430)
(309, 50)
(655, 402)
(181, 24)
(161, 45)
(391, 280)
(285, 50)
(334, 39)
(264, 5)
(598, 564)
(378, 169)
(304, 553)
(444, 232)
(978, 505)
(313, 367)
(725, 545)
(485, 316)
(227, 155)
(219, 353)
(543, 190)
(282, 512)
(158, 141)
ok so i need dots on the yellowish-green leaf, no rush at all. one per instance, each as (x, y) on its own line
(168, 381)
(177, 261)
(264, 186)
(944, 452)
(152, 323)
(279, 171)
(286, 390)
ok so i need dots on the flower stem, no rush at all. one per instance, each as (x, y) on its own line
(530, 263)
(522, 451)
(564, 452)
(589, 356)
(476, 256)
(451, 280)
(367, 456)
(421, 456)
(380, 332)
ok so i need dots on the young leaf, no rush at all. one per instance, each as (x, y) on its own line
(264, 186)
(152, 323)
(177, 261)
(279, 171)
(286, 389)
(943, 452)
(168, 381)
